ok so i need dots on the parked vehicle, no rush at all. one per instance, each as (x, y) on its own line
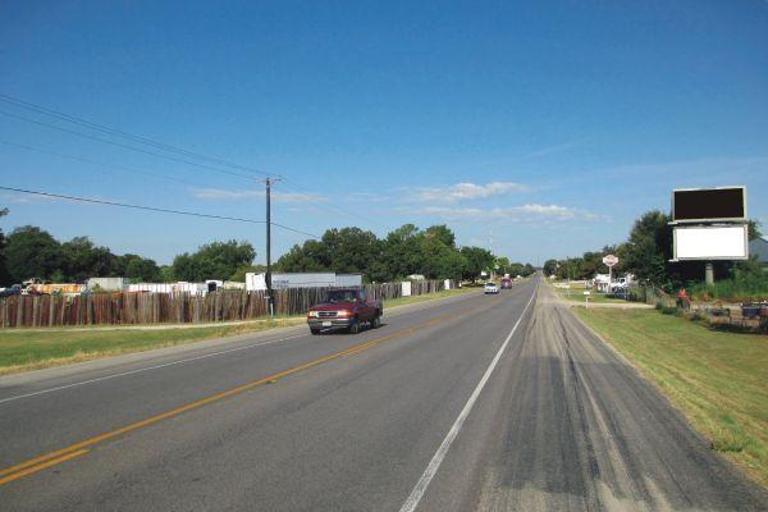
(11, 290)
(345, 309)
(491, 289)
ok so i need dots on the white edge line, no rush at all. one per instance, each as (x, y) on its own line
(146, 369)
(421, 486)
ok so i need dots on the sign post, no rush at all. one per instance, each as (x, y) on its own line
(610, 261)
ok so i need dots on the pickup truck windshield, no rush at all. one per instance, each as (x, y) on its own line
(342, 296)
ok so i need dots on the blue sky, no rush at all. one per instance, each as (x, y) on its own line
(540, 128)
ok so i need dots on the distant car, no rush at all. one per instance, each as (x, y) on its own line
(345, 309)
(506, 283)
(490, 288)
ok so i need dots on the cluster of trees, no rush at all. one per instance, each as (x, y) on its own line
(29, 251)
(647, 254)
(407, 250)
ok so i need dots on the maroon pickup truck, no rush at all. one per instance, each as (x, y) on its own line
(347, 309)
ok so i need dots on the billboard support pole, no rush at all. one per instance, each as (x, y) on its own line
(709, 273)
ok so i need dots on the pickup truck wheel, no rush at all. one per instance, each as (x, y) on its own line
(315, 331)
(355, 327)
(376, 322)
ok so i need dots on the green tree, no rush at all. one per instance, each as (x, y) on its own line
(550, 267)
(753, 227)
(352, 250)
(166, 274)
(136, 268)
(312, 256)
(32, 252)
(403, 252)
(81, 259)
(442, 233)
(477, 260)
(650, 248)
(217, 260)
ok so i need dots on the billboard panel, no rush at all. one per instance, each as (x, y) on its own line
(711, 243)
(714, 204)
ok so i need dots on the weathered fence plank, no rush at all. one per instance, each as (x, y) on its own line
(131, 308)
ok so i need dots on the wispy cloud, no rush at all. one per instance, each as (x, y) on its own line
(467, 191)
(217, 194)
(530, 212)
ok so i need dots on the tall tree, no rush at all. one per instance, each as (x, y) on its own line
(217, 260)
(136, 268)
(477, 260)
(81, 259)
(32, 252)
(649, 248)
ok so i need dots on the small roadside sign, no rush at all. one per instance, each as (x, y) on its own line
(610, 260)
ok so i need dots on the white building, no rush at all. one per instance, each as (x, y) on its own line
(284, 280)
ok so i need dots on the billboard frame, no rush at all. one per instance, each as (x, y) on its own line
(742, 219)
(744, 226)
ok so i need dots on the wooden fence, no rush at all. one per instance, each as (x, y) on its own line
(132, 308)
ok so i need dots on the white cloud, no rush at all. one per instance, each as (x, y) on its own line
(468, 191)
(217, 194)
(530, 212)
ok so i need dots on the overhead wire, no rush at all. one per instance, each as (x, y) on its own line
(108, 130)
(153, 209)
(122, 167)
(121, 145)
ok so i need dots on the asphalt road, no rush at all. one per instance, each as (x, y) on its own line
(474, 403)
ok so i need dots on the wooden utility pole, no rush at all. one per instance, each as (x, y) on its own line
(268, 274)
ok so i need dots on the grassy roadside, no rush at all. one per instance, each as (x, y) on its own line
(718, 379)
(577, 295)
(31, 349)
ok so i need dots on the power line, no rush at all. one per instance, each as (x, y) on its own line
(110, 131)
(107, 130)
(153, 209)
(124, 146)
(96, 162)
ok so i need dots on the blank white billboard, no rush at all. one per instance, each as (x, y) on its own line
(711, 243)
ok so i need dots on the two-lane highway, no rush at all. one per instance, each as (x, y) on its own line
(478, 402)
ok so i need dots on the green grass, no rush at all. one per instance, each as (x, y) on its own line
(22, 349)
(577, 295)
(718, 379)
(29, 349)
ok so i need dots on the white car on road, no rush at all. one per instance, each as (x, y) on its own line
(490, 288)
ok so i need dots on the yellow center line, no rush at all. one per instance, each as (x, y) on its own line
(42, 462)
(40, 467)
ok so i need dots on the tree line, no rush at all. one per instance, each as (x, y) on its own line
(647, 253)
(405, 251)
(31, 252)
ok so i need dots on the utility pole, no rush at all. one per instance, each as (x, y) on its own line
(268, 275)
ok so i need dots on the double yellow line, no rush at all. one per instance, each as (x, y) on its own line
(45, 461)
